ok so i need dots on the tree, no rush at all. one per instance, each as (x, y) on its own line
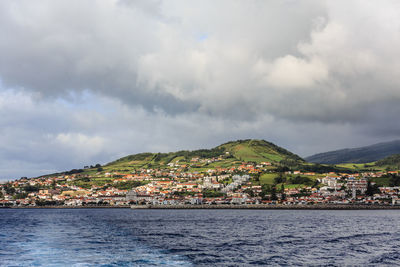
(53, 184)
(10, 190)
(283, 196)
(256, 177)
(301, 180)
(85, 179)
(280, 179)
(20, 196)
(128, 185)
(273, 193)
(212, 193)
(282, 169)
(48, 202)
(394, 180)
(372, 189)
(250, 192)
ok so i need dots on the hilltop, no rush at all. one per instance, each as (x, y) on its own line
(228, 155)
(364, 154)
(241, 150)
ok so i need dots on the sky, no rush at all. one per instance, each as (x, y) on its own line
(85, 82)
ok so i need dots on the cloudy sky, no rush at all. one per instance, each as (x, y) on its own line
(85, 82)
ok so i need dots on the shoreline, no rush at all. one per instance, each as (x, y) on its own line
(274, 207)
(243, 207)
(66, 207)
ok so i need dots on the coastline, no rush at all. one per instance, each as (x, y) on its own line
(243, 207)
(275, 207)
(66, 207)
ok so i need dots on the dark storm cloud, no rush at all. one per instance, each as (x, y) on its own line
(144, 52)
(119, 77)
(298, 61)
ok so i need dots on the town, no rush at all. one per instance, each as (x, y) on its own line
(243, 183)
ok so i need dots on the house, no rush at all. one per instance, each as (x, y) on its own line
(357, 184)
(133, 196)
(197, 199)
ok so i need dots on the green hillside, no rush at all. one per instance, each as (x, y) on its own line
(258, 151)
(242, 150)
(365, 154)
(227, 155)
(391, 162)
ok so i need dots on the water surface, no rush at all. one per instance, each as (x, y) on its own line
(124, 237)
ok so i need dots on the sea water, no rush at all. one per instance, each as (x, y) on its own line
(125, 237)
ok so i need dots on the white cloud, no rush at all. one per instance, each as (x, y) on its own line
(292, 72)
(85, 146)
(118, 77)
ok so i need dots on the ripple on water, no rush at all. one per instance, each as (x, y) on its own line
(114, 237)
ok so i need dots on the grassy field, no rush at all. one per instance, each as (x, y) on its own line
(245, 153)
(381, 181)
(291, 186)
(268, 178)
(271, 156)
(352, 166)
(362, 166)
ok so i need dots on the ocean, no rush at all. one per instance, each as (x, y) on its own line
(125, 237)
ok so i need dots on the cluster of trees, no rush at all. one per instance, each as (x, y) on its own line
(288, 162)
(188, 155)
(141, 156)
(387, 180)
(48, 202)
(128, 185)
(295, 180)
(31, 188)
(92, 166)
(212, 193)
(291, 164)
(73, 171)
(270, 192)
(10, 190)
(84, 179)
(394, 180)
(302, 180)
(391, 160)
(183, 193)
(20, 194)
(372, 189)
(318, 168)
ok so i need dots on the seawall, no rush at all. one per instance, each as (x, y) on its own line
(226, 206)
(270, 207)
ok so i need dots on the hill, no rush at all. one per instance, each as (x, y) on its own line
(357, 155)
(248, 150)
(226, 156)
(391, 161)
